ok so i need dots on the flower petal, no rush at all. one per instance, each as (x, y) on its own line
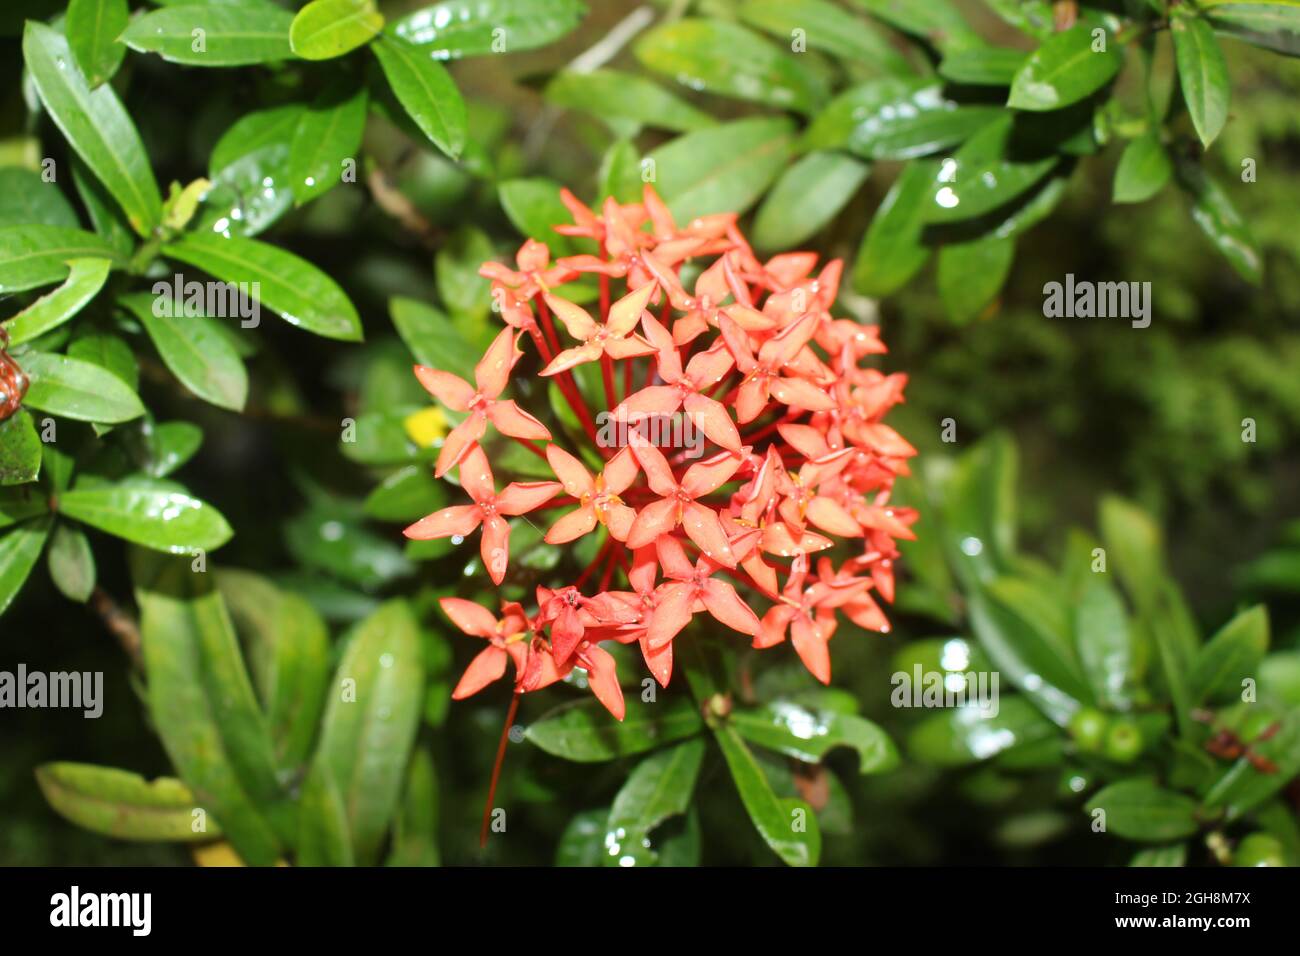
(806, 635)
(573, 525)
(708, 476)
(476, 475)
(621, 471)
(575, 318)
(827, 514)
(626, 312)
(673, 559)
(459, 442)
(495, 547)
(456, 520)
(493, 370)
(658, 517)
(703, 527)
(572, 473)
(489, 665)
(657, 470)
(520, 497)
(512, 420)
(471, 618)
(725, 604)
(672, 613)
(452, 390)
(571, 357)
(798, 393)
(602, 676)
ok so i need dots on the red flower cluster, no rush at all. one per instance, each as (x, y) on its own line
(790, 459)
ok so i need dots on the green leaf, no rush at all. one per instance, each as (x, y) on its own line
(108, 352)
(1065, 69)
(19, 550)
(415, 833)
(105, 214)
(19, 504)
(72, 388)
(288, 648)
(71, 563)
(20, 449)
(327, 136)
(609, 94)
(370, 722)
(966, 188)
(730, 60)
(1105, 643)
(895, 119)
(214, 35)
(33, 256)
(202, 705)
(983, 65)
(433, 337)
(1202, 74)
(583, 731)
(456, 266)
(1172, 855)
(426, 91)
(26, 199)
(582, 842)
(788, 825)
(808, 195)
(85, 278)
(93, 28)
(323, 837)
(122, 805)
(157, 518)
(534, 206)
(408, 493)
(892, 252)
(958, 736)
(1140, 810)
(808, 735)
(171, 445)
(660, 787)
(324, 29)
(95, 124)
(1273, 26)
(826, 27)
(457, 28)
(937, 21)
(1232, 655)
(1218, 218)
(1144, 169)
(972, 273)
(193, 349)
(293, 288)
(724, 168)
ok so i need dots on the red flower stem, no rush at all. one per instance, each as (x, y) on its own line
(567, 385)
(496, 768)
(540, 342)
(771, 427)
(547, 324)
(627, 378)
(607, 376)
(609, 570)
(586, 573)
(531, 447)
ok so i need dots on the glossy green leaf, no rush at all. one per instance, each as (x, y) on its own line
(937, 21)
(370, 722)
(123, 805)
(895, 119)
(73, 388)
(153, 517)
(724, 168)
(288, 650)
(407, 494)
(1140, 810)
(892, 252)
(1105, 643)
(456, 28)
(825, 27)
(808, 734)
(1066, 68)
(85, 278)
(1273, 26)
(1222, 665)
(972, 273)
(203, 707)
(20, 503)
(426, 91)
(19, 549)
(293, 288)
(807, 196)
(582, 842)
(1144, 169)
(1173, 855)
(966, 189)
(324, 29)
(415, 832)
(71, 563)
(33, 256)
(106, 216)
(192, 348)
(323, 837)
(27, 199)
(610, 94)
(95, 124)
(171, 445)
(1219, 219)
(106, 351)
(730, 60)
(213, 35)
(327, 137)
(534, 206)
(20, 449)
(660, 787)
(1202, 75)
(983, 65)
(583, 731)
(432, 337)
(93, 28)
(787, 825)
(958, 736)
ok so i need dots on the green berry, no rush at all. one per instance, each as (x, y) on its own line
(1124, 742)
(1088, 728)
(1259, 849)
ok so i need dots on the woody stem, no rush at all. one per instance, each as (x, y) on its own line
(496, 768)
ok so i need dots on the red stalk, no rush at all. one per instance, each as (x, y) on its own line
(496, 768)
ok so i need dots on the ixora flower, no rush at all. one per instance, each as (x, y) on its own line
(798, 462)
